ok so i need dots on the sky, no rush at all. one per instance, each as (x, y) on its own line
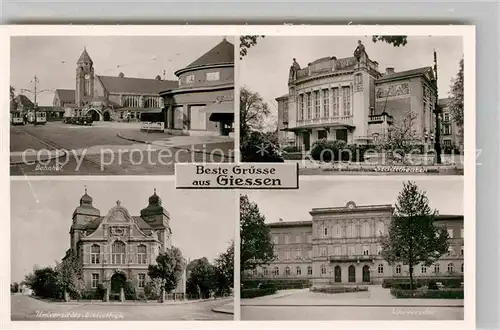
(53, 58)
(294, 205)
(266, 67)
(41, 214)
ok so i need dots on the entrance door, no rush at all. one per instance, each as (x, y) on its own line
(95, 115)
(338, 274)
(341, 134)
(106, 116)
(198, 119)
(117, 284)
(352, 274)
(321, 134)
(366, 274)
(306, 140)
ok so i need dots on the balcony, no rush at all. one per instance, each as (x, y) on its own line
(326, 122)
(353, 258)
(379, 119)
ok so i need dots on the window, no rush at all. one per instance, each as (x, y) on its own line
(365, 229)
(309, 270)
(287, 271)
(95, 252)
(462, 268)
(309, 254)
(380, 228)
(276, 239)
(287, 239)
(462, 250)
(423, 269)
(379, 249)
(276, 271)
(317, 104)
(118, 252)
(254, 272)
(190, 79)
(450, 233)
(380, 269)
(451, 251)
(326, 103)
(337, 251)
(447, 129)
(323, 270)
(298, 271)
(141, 280)
(336, 101)
(366, 250)
(398, 269)
(446, 117)
(308, 105)
(450, 268)
(265, 271)
(301, 107)
(287, 255)
(298, 254)
(351, 251)
(436, 268)
(297, 239)
(141, 254)
(346, 99)
(95, 280)
(336, 230)
(322, 251)
(354, 232)
(325, 232)
(349, 231)
(213, 76)
(447, 143)
(276, 253)
(462, 233)
(309, 238)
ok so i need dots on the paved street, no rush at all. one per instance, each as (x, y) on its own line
(376, 304)
(98, 150)
(25, 308)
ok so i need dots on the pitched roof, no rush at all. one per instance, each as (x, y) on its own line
(66, 95)
(24, 100)
(143, 225)
(84, 57)
(282, 97)
(402, 74)
(223, 52)
(136, 85)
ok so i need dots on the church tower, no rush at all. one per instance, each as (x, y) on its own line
(84, 91)
(159, 219)
(84, 214)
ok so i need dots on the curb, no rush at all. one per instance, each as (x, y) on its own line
(131, 139)
(352, 305)
(40, 160)
(222, 311)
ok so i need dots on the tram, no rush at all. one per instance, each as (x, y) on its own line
(153, 121)
(16, 118)
(37, 117)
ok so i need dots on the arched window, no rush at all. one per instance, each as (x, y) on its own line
(276, 271)
(309, 270)
(380, 268)
(323, 270)
(287, 271)
(380, 228)
(141, 254)
(365, 229)
(398, 269)
(436, 268)
(118, 252)
(450, 268)
(298, 271)
(95, 252)
(265, 271)
(423, 269)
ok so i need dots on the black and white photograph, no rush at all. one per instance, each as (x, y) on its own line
(356, 250)
(119, 105)
(369, 104)
(114, 250)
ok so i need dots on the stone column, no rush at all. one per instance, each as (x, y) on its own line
(122, 295)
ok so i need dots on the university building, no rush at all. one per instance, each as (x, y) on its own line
(118, 247)
(340, 245)
(350, 99)
(200, 102)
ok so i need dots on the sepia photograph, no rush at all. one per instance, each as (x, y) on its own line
(376, 105)
(356, 250)
(114, 250)
(119, 105)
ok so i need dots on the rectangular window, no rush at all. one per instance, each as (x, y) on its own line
(213, 76)
(447, 143)
(451, 252)
(287, 239)
(308, 105)
(322, 251)
(309, 238)
(447, 129)
(297, 239)
(450, 233)
(351, 251)
(95, 280)
(366, 250)
(309, 254)
(141, 280)
(346, 99)
(190, 79)
(287, 255)
(337, 251)
(141, 254)
(326, 103)
(379, 249)
(446, 117)
(276, 239)
(336, 101)
(198, 118)
(285, 111)
(298, 254)
(301, 105)
(462, 251)
(317, 104)
(462, 233)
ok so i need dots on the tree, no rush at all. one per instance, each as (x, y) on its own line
(402, 138)
(14, 287)
(224, 271)
(13, 103)
(246, 42)
(413, 238)
(396, 41)
(201, 279)
(456, 98)
(253, 111)
(69, 278)
(168, 268)
(256, 245)
(43, 282)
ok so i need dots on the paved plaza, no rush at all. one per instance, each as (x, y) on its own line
(375, 304)
(108, 148)
(26, 308)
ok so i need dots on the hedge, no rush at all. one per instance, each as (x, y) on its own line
(429, 294)
(447, 282)
(328, 150)
(253, 293)
(339, 289)
(279, 284)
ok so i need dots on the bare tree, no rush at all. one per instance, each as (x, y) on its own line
(253, 111)
(402, 138)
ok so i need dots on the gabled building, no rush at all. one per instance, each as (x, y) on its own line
(451, 133)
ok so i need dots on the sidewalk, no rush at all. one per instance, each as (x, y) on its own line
(34, 156)
(126, 303)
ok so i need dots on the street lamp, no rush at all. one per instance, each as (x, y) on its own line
(437, 113)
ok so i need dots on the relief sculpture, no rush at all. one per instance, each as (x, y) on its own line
(393, 90)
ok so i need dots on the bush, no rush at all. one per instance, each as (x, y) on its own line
(260, 148)
(448, 282)
(291, 149)
(253, 293)
(428, 294)
(279, 284)
(152, 290)
(335, 289)
(130, 291)
(337, 150)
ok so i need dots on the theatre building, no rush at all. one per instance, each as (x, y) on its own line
(203, 103)
(117, 247)
(340, 246)
(352, 100)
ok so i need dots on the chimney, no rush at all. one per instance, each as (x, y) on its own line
(389, 70)
(280, 219)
